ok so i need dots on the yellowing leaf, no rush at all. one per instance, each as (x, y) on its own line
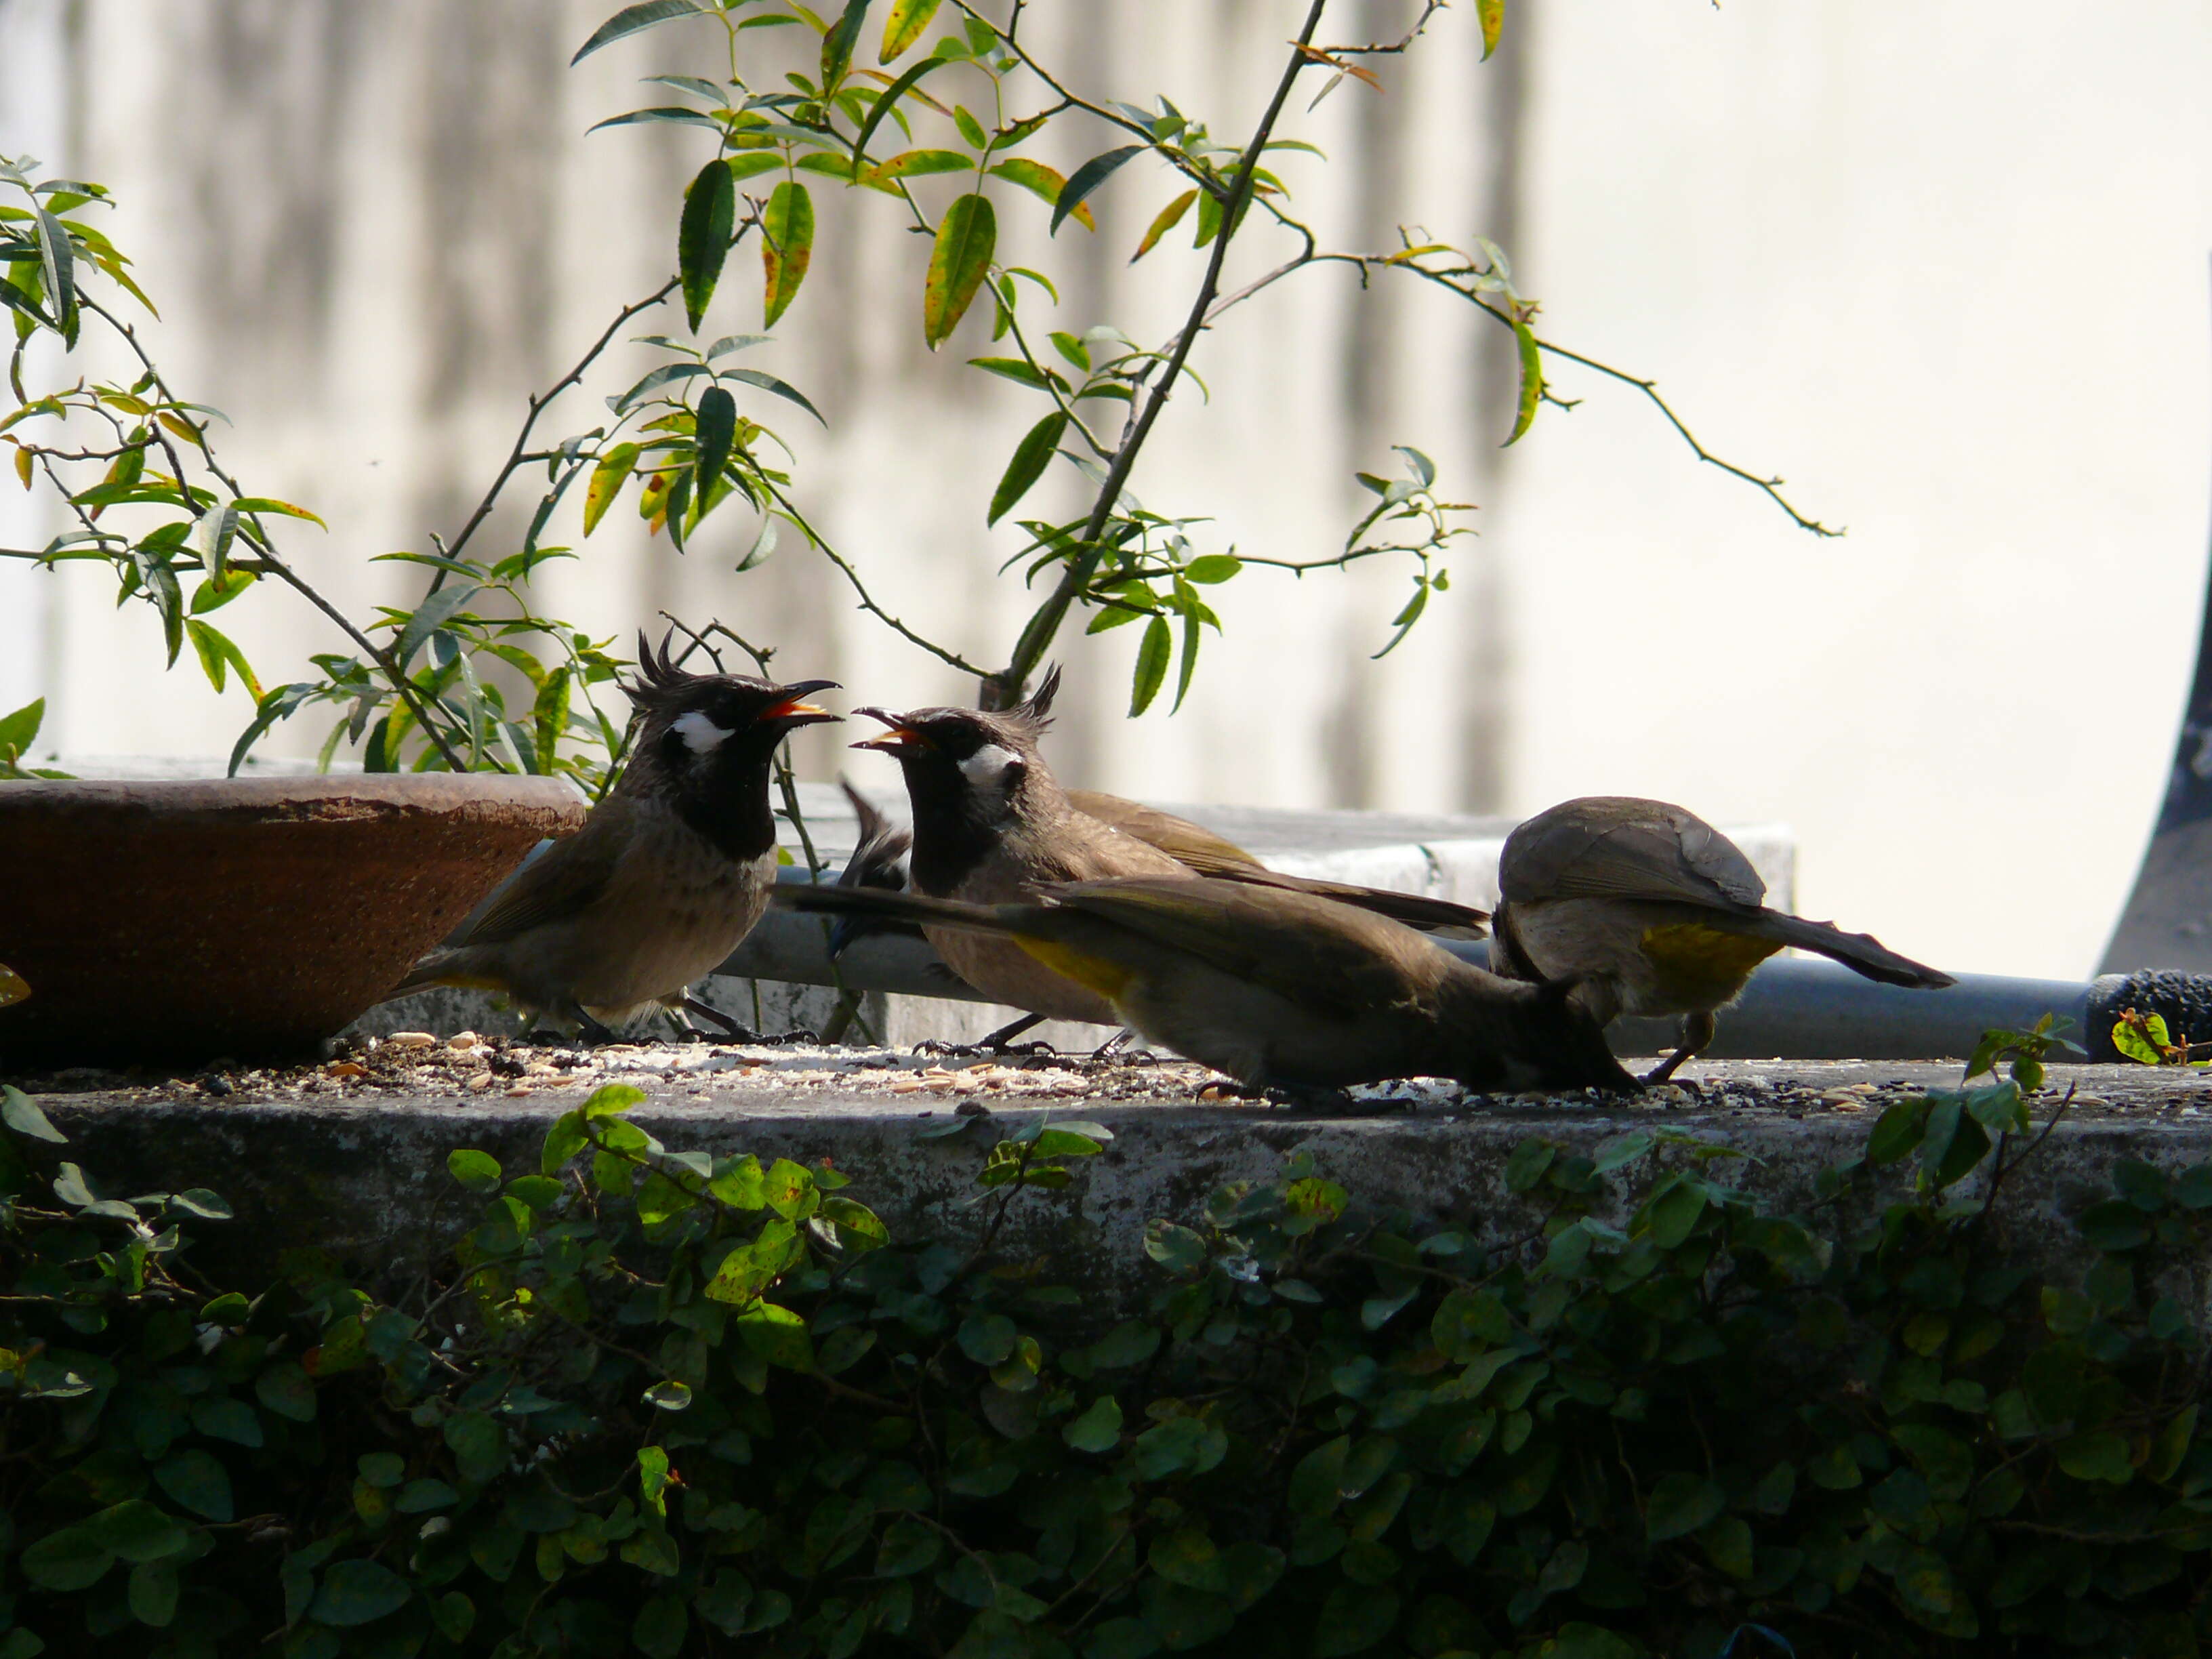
(787, 245)
(904, 26)
(1491, 14)
(965, 239)
(1532, 381)
(1169, 217)
(1043, 182)
(12, 988)
(607, 479)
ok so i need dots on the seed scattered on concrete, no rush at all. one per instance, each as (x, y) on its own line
(411, 1039)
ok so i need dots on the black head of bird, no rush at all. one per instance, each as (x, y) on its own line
(969, 772)
(705, 743)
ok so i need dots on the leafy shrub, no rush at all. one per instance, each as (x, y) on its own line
(674, 1404)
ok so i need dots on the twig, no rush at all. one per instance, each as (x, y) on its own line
(538, 401)
(1003, 688)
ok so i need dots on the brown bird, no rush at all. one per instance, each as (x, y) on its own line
(1648, 909)
(1277, 989)
(992, 825)
(670, 872)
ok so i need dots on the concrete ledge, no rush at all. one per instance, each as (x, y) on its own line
(357, 1166)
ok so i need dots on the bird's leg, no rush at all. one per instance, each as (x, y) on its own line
(1696, 1031)
(1005, 1034)
(714, 1016)
(1113, 1045)
(594, 1032)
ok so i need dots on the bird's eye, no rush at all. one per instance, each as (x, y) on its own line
(700, 733)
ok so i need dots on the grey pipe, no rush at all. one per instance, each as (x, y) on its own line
(1794, 1008)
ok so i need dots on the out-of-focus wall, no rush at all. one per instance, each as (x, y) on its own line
(1944, 267)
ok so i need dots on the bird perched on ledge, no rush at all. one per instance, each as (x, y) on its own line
(1276, 988)
(670, 872)
(1648, 909)
(992, 825)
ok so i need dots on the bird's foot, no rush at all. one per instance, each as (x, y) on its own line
(732, 1031)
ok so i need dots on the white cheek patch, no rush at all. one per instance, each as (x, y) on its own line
(990, 766)
(700, 735)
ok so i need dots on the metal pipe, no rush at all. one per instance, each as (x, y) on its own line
(1794, 1008)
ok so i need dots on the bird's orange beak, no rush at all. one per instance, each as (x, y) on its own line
(900, 739)
(795, 708)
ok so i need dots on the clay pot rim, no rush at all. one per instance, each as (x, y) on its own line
(248, 798)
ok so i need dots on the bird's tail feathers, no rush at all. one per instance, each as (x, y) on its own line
(1861, 953)
(876, 901)
(1414, 910)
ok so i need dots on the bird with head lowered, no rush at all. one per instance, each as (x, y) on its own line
(670, 872)
(992, 825)
(1651, 910)
(1279, 989)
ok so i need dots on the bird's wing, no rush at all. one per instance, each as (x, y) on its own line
(569, 875)
(1308, 950)
(1610, 847)
(1186, 842)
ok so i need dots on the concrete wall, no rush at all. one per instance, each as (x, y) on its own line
(1942, 267)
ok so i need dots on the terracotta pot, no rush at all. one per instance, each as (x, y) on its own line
(241, 916)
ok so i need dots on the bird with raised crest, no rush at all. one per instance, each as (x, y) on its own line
(992, 825)
(669, 872)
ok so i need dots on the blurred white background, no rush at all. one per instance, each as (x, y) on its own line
(1944, 268)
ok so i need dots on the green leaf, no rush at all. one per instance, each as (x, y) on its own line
(703, 236)
(1682, 1503)
(197, 1480)
(987, 1338)
(630, 19)
(716, 430)
(888, 101)
(432, 614)
(1897, 1131)
(151, 1594)
(358, 1592)
(769, 383)
(478, 1171)
(2097, 1455)
(19, 729)
(1031, 456)
(136, 1530)
(1178, 1249)
(1153, 652)
(285, 1389)
(71, 1558)
(838, 42)
(966, 238)
(1352, 1619)
(22, 1113)
(1532, 381)
(777, 1336)
(908, 19)
(1088, 176)
(1098, 1429)
(611, 1100)
(1212, 567)
(1491, 14)
(2127, 1038)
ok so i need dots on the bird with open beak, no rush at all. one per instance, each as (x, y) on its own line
(670, 872)
(992, 825)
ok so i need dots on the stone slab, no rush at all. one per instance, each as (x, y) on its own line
(356, 1163)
